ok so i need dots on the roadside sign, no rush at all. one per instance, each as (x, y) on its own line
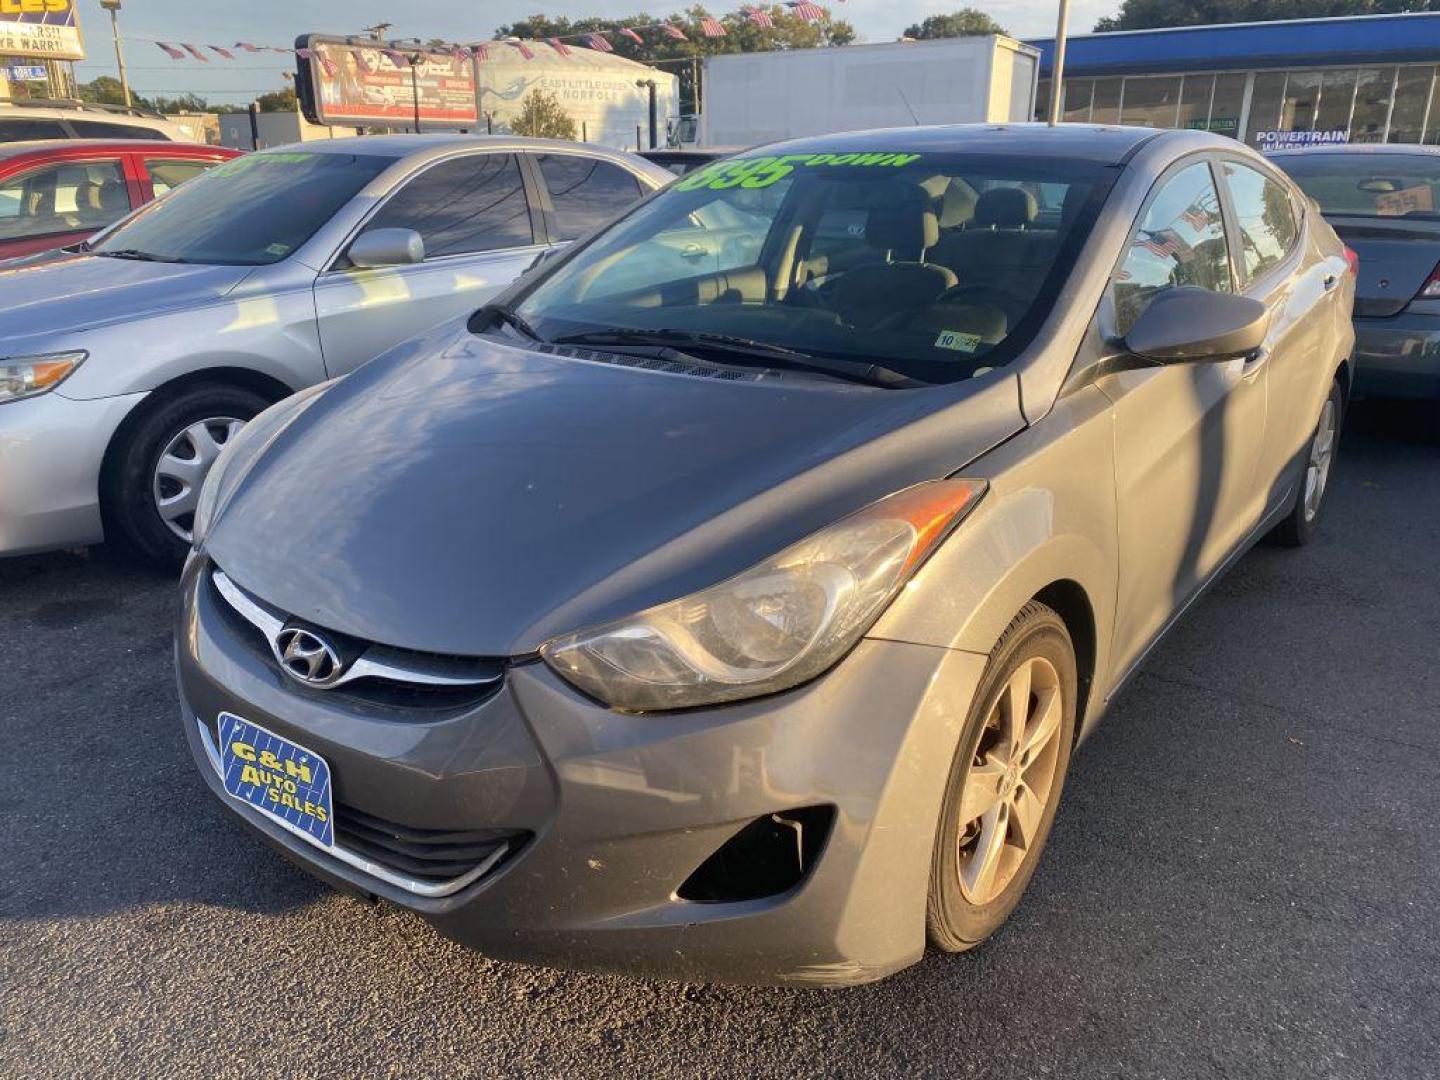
(25, 73)
(49, 29)
(1266, 141)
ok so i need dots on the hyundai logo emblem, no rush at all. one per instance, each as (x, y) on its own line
(307, 657)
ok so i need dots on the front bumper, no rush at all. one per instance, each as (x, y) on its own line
(618, 810)
(1399, 356)
(51, 450)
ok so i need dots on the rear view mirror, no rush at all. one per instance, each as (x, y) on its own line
(1185, 323)
(387, 247)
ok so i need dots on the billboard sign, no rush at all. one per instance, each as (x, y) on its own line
(1267, 141)
(352, 84)
(48, 29)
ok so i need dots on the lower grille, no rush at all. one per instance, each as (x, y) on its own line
(427, 854)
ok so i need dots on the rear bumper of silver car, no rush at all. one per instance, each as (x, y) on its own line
(51, 451)
(608, 814)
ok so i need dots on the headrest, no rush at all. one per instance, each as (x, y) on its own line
(908, 227)
(1005, 208)
(957, 208)
(112, 197)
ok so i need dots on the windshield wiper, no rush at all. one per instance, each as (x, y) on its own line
(501, 313)
(745, 350)
(137, 254)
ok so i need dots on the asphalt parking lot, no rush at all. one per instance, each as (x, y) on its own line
(1244, 880)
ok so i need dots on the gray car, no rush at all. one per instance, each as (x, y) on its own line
(127, 363)
(739, 623)
(1384, 202)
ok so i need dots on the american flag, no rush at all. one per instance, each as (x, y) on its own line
(631, 34)
(559, 46)
(673, 31)
(1198, 218)
(226, 53)
(1163, 243)
(248, 47)
(398, 58)
(712, 27)
(362, 63)
(759, 18)
(598, 43)
(524, 50)
(171, 51)
(480, 52)
(806, 10)
(460, 52)
(194, 50)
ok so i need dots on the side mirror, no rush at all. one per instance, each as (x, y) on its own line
(1185, 324)
(387, 247)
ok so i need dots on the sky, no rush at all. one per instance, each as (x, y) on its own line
(278, 22)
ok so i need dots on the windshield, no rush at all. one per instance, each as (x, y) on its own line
(936, 267)
(1369, 185)
(248, 212)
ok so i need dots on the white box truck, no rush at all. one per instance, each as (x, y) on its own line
(753, 98)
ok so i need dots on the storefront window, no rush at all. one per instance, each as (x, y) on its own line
(1412, 94)
(1195, 102)
(1337, 94)
(1372, 104)
(1227, 103)
(1432, 124)
(1106, 109)
(1302, 94)
(1042, 100)
(1076, 105)
(1265, 104)
(1151, 101)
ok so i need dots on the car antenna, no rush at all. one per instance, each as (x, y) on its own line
(914, 119)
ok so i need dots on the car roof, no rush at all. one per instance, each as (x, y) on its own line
(1086, 142)
(1357, 148)
(80, 147)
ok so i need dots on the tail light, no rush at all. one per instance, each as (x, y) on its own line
(1352, 260)
(1431, 289)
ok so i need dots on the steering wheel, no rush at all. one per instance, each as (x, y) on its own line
(985, 296)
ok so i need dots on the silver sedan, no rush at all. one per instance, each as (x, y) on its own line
(127, 363)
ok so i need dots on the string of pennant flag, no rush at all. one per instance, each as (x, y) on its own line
(599, 40)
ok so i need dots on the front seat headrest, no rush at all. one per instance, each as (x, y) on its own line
(906, 229)
(957, 208)
(1005, 208)
(113, 198)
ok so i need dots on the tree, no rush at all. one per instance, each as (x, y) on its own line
(106, 90)
(741, 35)
(184, 103)
(277, 101)
(543, 117)
(1151, 14)
(963, 23)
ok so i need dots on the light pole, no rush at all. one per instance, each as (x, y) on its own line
(1057, 65)
(113, 6)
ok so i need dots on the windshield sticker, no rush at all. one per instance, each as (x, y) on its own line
(277, 249)
(953, 339)
(255, 161)
(761, 172)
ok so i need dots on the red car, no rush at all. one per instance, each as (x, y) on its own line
(53, 194)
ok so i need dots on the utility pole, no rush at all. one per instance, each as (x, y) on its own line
(1057, 66)
(113, 6)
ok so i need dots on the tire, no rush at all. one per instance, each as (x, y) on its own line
(1301, 524)
(131, 490)
(963, 910)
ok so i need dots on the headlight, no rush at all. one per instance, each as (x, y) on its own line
(30, 376)
(773, 626)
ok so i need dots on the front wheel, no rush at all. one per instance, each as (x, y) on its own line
(1300, 525)
(152, 483)
(1005, 781)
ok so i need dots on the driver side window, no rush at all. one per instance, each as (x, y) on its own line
(1180, 241)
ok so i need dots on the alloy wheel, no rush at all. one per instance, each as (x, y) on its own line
(1322, 453)
(1011, 780)
(183, 466)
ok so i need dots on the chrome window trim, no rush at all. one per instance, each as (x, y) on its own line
(426, 889)
(377, 661)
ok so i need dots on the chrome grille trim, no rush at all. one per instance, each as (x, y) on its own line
(430, 890)
(376, 662)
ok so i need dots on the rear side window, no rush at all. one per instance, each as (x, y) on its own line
(460, 207)
(585, 192)
(63, 198)
(99, 129)
(18, 130)
(1268, 227)
(165, 175)
(1181, 241)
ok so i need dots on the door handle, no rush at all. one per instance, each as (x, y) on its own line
(1330, 281)
(1255, 361)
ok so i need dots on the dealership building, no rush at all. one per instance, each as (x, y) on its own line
(1362, 79)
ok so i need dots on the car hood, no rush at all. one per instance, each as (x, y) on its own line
(63, 291)
(468, 497)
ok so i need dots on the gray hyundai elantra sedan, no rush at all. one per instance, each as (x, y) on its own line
(726, 600)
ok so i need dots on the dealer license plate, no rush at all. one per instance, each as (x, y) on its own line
(274, 775)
